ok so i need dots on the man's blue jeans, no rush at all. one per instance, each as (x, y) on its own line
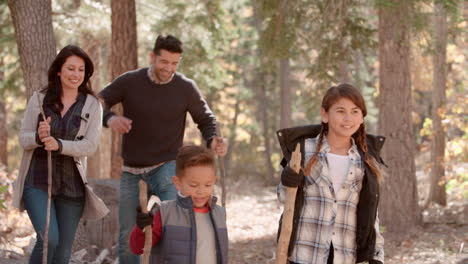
(159, 181)
(65, 214)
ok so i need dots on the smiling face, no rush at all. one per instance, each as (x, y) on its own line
(72, 73)
(343, 118)
(164, 64)
(197, 182)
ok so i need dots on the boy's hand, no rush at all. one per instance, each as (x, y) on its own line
(143, 219)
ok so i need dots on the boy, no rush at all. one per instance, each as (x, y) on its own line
(192, 228)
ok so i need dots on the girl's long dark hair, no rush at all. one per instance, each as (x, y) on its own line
(332, 96)
(53, 90)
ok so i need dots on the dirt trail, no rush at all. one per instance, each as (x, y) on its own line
(253, 213)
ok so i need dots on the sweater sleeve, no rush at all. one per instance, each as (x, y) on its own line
(137, 237)
(90, 140)
(112, 94)
(28, 131)
(202, 114)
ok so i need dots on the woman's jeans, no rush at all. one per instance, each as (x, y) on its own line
(65, 214)
(159, 181)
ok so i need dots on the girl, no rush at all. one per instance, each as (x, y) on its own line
(335, 216)
(71, 132)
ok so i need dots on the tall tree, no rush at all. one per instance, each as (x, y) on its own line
(99, 163)
(3, 132)
(285, 87)
(124, 57)
(3, 123)
(284, 71)
(399, 199)
(261, 82)
(437, 193)
(32, 20)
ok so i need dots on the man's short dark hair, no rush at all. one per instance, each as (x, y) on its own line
(169, 43)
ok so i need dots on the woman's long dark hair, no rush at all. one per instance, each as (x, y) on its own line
(54, 89)
(351, 93)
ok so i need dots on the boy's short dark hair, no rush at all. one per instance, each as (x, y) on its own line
(191, 156)
(169, 43)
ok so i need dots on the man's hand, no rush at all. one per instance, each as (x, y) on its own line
(43, 130)
(219, 146)
(120, 124)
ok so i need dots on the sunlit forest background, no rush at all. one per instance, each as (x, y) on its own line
(263, 65)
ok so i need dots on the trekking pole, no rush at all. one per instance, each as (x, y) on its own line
(49, 194)
(143, 188)
(222, 170)
(288, 213)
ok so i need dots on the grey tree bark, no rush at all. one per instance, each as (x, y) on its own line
(99, 163)
(34, 34)
(124, 57)
(3, 126)
(260, 84)
(285, 87)
(399, 198)
(439, 59)
(3, 135)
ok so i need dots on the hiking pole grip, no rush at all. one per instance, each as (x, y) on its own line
(288, 213)
(143, 188)
(222, 170)
(45, 239)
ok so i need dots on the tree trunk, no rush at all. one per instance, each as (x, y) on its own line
(344, 72)
(260, 84)
(3, 136)
(32, 20)
(3, 125)
(399, 200)
(437, 193)
(124, 57)
(263, 104)
(232, 134)
(99, 163)
(285, 93)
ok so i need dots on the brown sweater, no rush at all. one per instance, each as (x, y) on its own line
(158, 112)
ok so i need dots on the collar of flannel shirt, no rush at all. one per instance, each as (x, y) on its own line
(316, 172)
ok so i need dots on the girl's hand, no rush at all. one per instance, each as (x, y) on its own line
(292, 175)
(43, 130)
(50, 144)
(296, 157)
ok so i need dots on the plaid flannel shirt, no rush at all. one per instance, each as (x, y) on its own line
(328, 217)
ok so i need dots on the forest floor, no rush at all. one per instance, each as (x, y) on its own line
(253, 213)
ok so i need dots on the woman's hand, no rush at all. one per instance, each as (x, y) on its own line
(44, 129)
(50, 144)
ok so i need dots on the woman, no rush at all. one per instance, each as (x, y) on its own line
(335, 214)
(71, 132)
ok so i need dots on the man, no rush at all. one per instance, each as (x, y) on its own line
(155, 104)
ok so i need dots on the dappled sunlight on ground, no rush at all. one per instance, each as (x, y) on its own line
(252, 218)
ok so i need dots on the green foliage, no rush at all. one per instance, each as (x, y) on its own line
(3, 189)
(232, 50)
(200, 26)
